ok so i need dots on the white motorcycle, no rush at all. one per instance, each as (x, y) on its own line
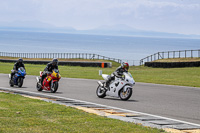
(120, 87)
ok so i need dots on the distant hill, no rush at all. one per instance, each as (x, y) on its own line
(124, 30)
(115, 30)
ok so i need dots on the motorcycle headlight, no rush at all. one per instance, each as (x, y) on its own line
(19, 73)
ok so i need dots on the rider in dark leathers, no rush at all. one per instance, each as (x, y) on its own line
(118, 72)
(49, 68)
(17, 65)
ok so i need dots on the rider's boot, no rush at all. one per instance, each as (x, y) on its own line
(41, 80)
(107, 83)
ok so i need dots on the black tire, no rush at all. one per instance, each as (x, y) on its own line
(127, 94)
(100, 93)
(20, 82)
(11, 83)
(39, 88)
(54, 88)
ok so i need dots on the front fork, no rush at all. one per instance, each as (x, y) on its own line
(103, 88)
(125, 88)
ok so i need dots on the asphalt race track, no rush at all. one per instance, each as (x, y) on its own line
(176, 102)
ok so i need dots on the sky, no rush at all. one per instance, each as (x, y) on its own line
(172, 16)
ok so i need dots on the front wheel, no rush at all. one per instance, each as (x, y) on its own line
(54, 87)
(101, 92)
(20, 82)
(39, 87)
(125, 95)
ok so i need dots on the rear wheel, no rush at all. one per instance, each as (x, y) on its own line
(101, 92)
(20, 81)
(11, 83)
(125, 95)
(54, 86)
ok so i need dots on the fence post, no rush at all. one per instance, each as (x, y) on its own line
(185, 54)
(191, 53)
(198, 53)
(163, 55)
(168, 54)
(141, 62)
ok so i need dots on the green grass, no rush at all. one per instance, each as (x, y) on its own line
(20, 114)
(189, 76)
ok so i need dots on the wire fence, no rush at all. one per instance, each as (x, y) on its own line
(171, 54)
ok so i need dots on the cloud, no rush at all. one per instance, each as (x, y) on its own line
(168, 15)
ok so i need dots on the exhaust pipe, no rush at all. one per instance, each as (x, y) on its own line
(100, 83)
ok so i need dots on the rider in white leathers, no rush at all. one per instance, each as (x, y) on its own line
(118, 72)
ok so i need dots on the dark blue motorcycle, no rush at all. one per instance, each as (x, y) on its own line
(18, 77)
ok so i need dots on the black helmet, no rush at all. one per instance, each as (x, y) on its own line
(55, 61)
(20, 60)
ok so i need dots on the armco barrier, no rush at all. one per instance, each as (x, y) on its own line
(69, 63)
(172, 64)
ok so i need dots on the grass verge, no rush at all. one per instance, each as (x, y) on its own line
(20, 114)
(188, 76)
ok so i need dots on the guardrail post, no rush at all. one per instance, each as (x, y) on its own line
(163, 55)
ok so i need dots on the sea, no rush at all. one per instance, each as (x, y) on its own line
(127, 48)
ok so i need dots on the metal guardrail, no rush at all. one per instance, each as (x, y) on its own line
(171, 54)
(90, 56)
(59, 55)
